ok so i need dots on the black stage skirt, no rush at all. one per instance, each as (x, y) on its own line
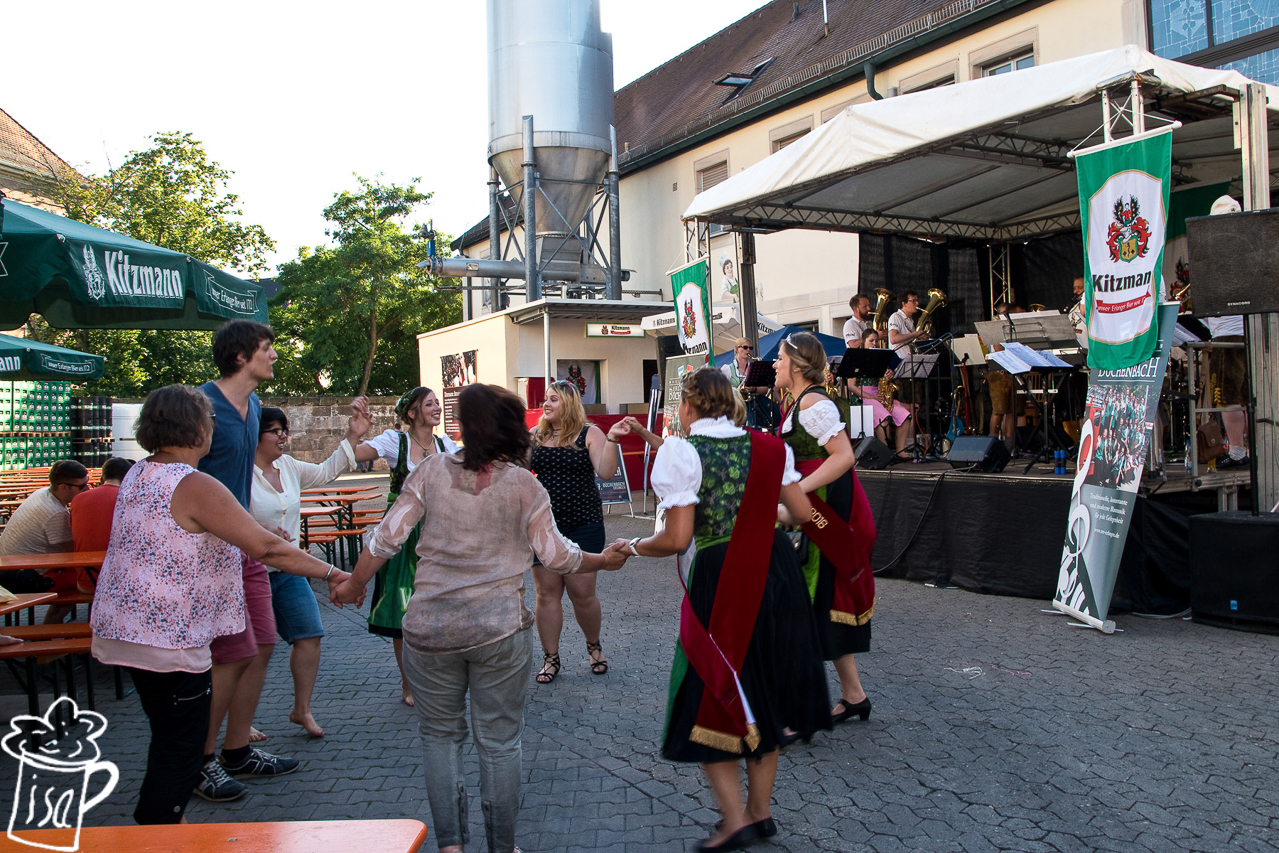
(837, 639)
(782, 675)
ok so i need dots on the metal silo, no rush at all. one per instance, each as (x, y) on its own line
(549, 59)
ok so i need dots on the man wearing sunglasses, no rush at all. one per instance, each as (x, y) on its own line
(42, 525)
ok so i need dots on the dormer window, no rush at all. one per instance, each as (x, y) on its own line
(739, 82)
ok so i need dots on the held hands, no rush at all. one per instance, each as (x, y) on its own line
(785, 518)
(619, 429)
(615, 556)
(342, 590)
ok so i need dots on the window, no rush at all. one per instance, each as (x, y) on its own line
(1012, 63)
(739, 82)
(938, 75)
(1240, 35)
(780, 137)
(710, 170)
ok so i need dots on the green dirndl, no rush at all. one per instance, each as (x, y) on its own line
(393, 585)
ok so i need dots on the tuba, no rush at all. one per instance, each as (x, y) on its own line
(883, 296)
(924, 323)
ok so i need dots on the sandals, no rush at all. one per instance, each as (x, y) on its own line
(598, 667)
(550, 668)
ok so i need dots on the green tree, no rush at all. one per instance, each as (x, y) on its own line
(171, 195)
(348, 314)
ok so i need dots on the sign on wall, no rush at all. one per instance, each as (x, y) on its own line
(614, 330)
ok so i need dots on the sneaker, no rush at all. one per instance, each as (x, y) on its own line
(261, 763)
(216, 786)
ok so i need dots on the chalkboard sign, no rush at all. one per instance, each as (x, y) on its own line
(451, 427)
(616, 489)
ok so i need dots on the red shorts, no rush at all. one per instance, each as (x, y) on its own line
(259, 618)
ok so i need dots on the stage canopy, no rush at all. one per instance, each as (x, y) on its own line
(23, 359)
(77, 276)
(984, 159)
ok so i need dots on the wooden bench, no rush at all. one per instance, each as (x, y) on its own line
(310, 836)
(55, 649)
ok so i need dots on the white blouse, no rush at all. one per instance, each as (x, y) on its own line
(282, 509)
(677, 470)
(387, 446)
(820, 420)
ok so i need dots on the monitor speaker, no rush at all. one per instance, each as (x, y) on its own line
(1235, 261)
(1234, 570)
(983, 451)
(873, 454)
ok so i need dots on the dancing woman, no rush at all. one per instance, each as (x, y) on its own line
(418, 413)
(567, 454)
(843, 595)
(720, 488)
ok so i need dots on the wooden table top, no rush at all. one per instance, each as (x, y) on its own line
(25, 600)
(61, 560)
(350, 498)
(337, 490)
(310, 836)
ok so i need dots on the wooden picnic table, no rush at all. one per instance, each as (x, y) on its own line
(60, 560)
(25, 600)
(338, 490)
(308, 836)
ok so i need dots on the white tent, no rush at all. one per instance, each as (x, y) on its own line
(984, 159)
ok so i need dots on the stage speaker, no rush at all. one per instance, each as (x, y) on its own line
(1235, 258)
(984, 451)
(1234, 570)
(873, 454)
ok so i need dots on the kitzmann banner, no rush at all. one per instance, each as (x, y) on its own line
(1112, 451)
(693, 308)
(1123, 201)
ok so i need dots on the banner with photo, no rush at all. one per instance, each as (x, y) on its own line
(583, 375)
(1120, 415)
(691, 288)
(459, 370)
(1123, 202)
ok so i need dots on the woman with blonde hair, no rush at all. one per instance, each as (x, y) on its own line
(840, 581)
(734, 697)
(567, 454)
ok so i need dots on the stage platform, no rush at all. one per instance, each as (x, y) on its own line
(1002, 533)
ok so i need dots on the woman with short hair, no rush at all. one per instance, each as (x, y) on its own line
(171, 582)
(567, 454)
(418, 413)
(843, 596)
(481, 517)
(276, 503)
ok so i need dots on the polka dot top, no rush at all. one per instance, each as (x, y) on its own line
(569, 478)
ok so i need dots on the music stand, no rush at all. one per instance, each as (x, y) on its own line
(760, 374)
(866, 366)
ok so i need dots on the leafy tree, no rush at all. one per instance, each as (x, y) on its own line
(349, 313)
(171, 195)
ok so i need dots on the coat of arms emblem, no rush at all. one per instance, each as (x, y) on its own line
(94, 280)
(689, 322)
(1129, 233)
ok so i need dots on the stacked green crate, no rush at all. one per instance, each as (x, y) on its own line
(34, 424)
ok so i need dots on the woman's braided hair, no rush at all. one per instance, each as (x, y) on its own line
(711, 395)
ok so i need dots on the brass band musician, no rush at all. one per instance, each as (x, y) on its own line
(884, 404)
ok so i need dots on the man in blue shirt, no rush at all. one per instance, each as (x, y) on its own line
(244, 355)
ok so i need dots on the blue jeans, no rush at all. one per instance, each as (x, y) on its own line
(497, 676)
(297, 615)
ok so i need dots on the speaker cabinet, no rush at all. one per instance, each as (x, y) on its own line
(1234, 261)
(984, 451)
(1234, 570)
(873, 454)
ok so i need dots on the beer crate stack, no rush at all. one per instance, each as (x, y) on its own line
(91, 430)
(35, 425)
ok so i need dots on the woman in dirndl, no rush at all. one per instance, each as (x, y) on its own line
(418, 413)
(843, 595)
(732, 698)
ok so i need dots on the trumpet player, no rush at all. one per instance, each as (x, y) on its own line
(859, 322)
(884, 404)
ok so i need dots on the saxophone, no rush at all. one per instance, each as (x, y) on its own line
(887, 388)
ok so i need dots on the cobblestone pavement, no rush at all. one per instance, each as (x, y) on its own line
(995, 727)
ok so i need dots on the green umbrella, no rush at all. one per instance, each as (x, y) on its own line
(80, 277)
(21, 359)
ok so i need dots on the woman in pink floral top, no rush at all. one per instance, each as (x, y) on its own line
(171, 583)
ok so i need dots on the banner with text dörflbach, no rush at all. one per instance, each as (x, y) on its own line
(1123, 202)
(1113, 438)
(690, 285)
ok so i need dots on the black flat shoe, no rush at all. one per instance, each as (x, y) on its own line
(743, 837)
(765, 828)
(849, 710)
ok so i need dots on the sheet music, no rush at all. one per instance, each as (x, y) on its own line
(1008, 361)
(1034, 357)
